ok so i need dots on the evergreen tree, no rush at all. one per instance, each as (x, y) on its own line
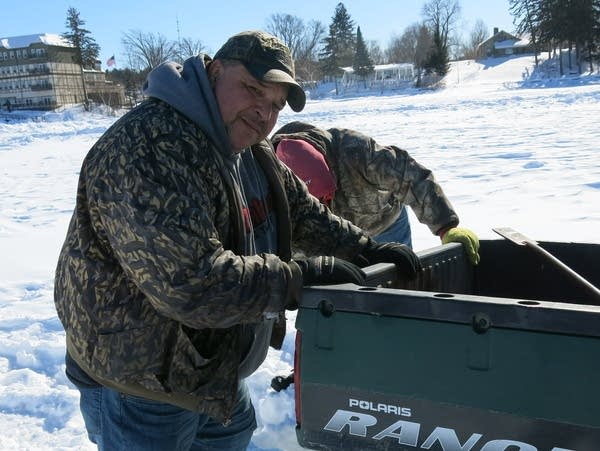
(423, 46)
(580, 28)
(362, 65)
(526, 18)
(339, 45)
(328, 58)
(558, 24)
(132, 80)
(437, 61)
(440, 16)
(87, 49)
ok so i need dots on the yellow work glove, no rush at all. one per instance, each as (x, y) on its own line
(467, 238)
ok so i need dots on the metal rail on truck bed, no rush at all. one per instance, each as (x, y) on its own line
(502, 356)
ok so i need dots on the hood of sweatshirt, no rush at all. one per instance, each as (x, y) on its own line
(187, 89)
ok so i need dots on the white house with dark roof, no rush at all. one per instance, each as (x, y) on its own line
(502, 43)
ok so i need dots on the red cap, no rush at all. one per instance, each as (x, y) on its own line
(309, 165)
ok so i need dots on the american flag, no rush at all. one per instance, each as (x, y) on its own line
(111, 61)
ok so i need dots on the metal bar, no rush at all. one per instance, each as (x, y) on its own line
(522, 240)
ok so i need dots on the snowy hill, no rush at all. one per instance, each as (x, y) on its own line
(471, 73)
(490, 72)
(480, 75)
(512, 72)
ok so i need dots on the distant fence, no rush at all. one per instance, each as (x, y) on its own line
(375, 85)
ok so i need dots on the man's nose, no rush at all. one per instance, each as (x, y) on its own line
(265, 110)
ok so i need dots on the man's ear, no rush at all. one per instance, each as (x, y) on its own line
(215, 70)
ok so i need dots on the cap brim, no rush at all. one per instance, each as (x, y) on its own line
(296, 96)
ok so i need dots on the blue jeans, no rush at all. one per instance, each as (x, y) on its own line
(115, 421)
(398, 232)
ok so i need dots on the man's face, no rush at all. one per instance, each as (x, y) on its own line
(249, 107)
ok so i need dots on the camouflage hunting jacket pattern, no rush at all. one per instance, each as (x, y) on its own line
(151, 287)
(374, 181)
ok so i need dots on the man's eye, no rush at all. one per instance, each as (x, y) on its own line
(254, 90)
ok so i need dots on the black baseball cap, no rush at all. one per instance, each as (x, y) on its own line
(268, 59)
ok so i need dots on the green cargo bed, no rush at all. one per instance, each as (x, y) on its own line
(503, 356)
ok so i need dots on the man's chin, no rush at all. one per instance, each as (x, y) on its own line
(239, 143)
(238, 146)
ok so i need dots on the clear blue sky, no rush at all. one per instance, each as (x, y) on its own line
(379, 20)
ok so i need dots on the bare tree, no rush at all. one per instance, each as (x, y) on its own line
(441, 15)
(313, 35)
(290, 29)
(402, 49)
(188, 47)
(455, 44)
(147, 50)
(307, 63)
(303, 41)
(478, 34)
(375, 52)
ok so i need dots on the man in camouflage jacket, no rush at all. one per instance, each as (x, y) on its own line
(370, 183)
(176, 271)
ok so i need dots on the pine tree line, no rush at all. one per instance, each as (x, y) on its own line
(426, 45)
(555, 25)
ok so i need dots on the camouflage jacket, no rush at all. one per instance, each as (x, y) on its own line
(375, 181)
(150, 285)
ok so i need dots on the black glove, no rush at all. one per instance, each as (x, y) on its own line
(329, 270)
(401, 255)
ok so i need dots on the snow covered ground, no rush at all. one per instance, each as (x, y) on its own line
(508, 152)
